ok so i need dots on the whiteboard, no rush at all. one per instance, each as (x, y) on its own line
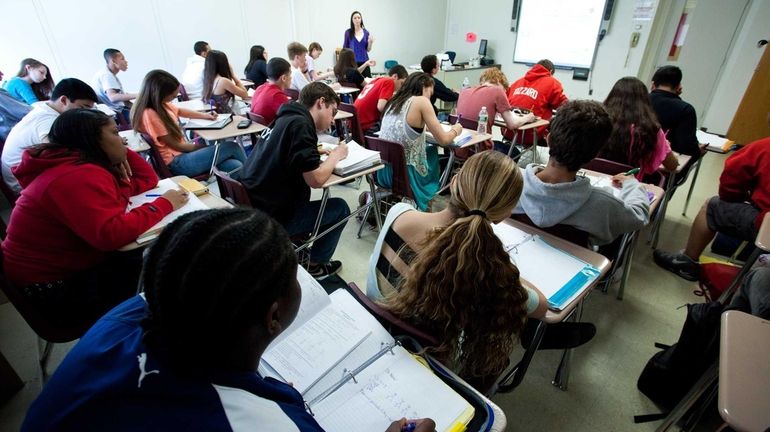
(563, 31)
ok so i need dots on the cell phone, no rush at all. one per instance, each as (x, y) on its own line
(243, 124)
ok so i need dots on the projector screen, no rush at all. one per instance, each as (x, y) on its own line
(563, 31)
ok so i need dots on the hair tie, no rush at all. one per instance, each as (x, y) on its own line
(476, 212)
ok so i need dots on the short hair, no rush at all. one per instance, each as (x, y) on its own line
(314, 46)
(74, 89)
(399, 71)
(277, 67)
(110, 53)
(495, 76)
(578, 131)
(547, 64)
(668, 76)
(295, 49)
(428, 63)
(317, 90)
(200, 47)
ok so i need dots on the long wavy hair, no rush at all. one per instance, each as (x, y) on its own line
(462, 285)
(156, 87)
(216, 64)
(628, 103)
(413, 86)
(44, 88)
(345, 62)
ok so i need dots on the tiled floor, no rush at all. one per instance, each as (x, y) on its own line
(602, 394)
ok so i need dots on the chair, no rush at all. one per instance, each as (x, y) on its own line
(9, 194)
(389, 64)
(393, 155)
(694, 167)
(232, 190)
(355, 126)
(183, 93)
(451, 55)
(349, 97)
(566, 232)
(291, 93)
(256, 118)
(159, 165)
(465, 122)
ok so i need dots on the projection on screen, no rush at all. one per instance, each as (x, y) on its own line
(563, 31)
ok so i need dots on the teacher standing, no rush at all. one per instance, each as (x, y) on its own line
(358, 39)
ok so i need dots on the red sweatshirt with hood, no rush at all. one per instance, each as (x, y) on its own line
(71, 214)
(538, 92)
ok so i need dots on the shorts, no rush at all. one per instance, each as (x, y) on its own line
(732, 218)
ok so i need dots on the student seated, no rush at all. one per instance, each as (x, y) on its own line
(184, 354)
(192, 77)
(297, 53)
(269, 97)
(738, 210)
(429, 65)
(11, 112)
(220, 85)
(69, 93)
(676, 116)
(315, 51)
(554, 194)
(636, 138)
(371, 102)
(256, 68)
(347, 71)
(754, 294)
(539, 92)
(406, 117)
(32, 84)
(286, 163)
(155, 115)
(109, 88)
(71, 219)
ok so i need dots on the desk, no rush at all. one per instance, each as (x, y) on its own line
(229, 131)
(476, 139)
(134, 141)
(346, 90)
(192, 105)
(453, 78)
(533, 126)
(247, 83)
(670, 186)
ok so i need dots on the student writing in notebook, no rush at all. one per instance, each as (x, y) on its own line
(347, 71)
(370, 104)
(269, 97)
(297, 53)
(184, 355)
(220, 85)
(71, 218)
(155, 115)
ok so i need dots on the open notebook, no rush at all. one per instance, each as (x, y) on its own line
(221, 121)
(558, 275)
(350, 371)
(164, 185)
(715, 142)
(605, 182)
(359, 158)
(463, 138)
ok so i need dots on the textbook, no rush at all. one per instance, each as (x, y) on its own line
(558, 275)
(151, 195)
(358, 158)
(715, 142)
(459, 140)
(221, 121)
(351, 373)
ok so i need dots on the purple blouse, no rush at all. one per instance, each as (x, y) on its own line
(359, 48)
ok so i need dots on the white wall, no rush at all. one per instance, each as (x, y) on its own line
(69, 36)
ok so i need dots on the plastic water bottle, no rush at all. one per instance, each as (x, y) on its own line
(466, 83)
(483, 117)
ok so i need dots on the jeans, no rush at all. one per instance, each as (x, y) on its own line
(230, 158)
(303, 222)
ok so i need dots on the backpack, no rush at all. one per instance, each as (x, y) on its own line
(670, 373)
(714, 279)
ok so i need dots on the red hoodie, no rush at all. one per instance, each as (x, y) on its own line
(538, 92)
(746, 177)
(71, 214)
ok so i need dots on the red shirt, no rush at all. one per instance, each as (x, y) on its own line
(366, 103)
(746, 177)
(63, 224)
(538, 92)
(266, 100)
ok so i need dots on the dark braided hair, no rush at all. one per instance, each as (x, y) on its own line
(209, 280)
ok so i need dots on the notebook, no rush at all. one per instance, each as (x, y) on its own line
(134, 140)
(221, 121)
(715, 142)
(561, 277)
(151, 195)
(359, 158)
(605, 183)
(459, 140)
(334, 337)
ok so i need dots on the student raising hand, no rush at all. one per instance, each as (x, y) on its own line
(414, 425)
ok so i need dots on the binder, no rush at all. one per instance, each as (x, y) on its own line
(221, 121)
(459, 140)
(358, 159)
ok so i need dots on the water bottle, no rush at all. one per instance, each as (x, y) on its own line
(466, 83)
(483, 117)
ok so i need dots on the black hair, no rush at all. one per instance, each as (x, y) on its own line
(74, 89)
(578, 131)
(413, 86)
(200, 47)
(352, 27)
(428, 63)
(216, 64)
(345, 62)
(257, 52)
(110, 54)
(399, 71)
(317, 90)
(668, 76)
(277, 67)
(209, 279)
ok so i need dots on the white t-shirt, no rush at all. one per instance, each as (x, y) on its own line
(310, 64)
(298, 79)
(105, 80)
(31, 130)
(192, 77)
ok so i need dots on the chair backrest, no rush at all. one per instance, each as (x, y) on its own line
(566, 232)
(465, 122)
(451, 55)
(156, 160)
(256, 118)
(389, 64)
(391, 322)
(291, 93)
(355, 125)
(392, 153)
(232, 190)
(9, 194)
(183, 93)
(607, 166)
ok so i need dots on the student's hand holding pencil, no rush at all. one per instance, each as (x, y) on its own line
(177, 197)
(413, 425)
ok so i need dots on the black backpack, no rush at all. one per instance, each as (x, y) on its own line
(670, 373)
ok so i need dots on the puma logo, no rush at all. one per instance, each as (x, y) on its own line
(142, 358)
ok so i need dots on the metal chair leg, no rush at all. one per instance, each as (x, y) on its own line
(44, 351)
(692, 185)
(561, 380)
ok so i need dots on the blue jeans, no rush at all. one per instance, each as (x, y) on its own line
(197, 162)
(304, 221)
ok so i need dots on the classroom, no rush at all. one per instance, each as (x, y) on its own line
(538, 243)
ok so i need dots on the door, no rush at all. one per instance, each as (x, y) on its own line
(751, 119)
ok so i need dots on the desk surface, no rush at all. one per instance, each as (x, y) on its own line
(591, 257)
(230, 131)
(657, 191)
(192, 105)
(346, 90)
(744, 371)
(535, 124)
(682, 158)
(476, 138)
(335, 179)
(763, 237)
(134, 141)
(341, 115)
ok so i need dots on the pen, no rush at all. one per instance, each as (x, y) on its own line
(632, 171)
(152, 195)
(409, 427)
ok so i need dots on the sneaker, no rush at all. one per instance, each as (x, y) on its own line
(677, 263)
(323, 271)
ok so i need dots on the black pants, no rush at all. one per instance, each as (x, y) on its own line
(367, 72)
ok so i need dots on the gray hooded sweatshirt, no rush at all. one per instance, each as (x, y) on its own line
(594, 210)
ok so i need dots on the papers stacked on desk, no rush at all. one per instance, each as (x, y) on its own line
(221, 121)
(358, 159)
(715, 142)
(164, 185)
(134, 141)
(459, 140)
(560, 276)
